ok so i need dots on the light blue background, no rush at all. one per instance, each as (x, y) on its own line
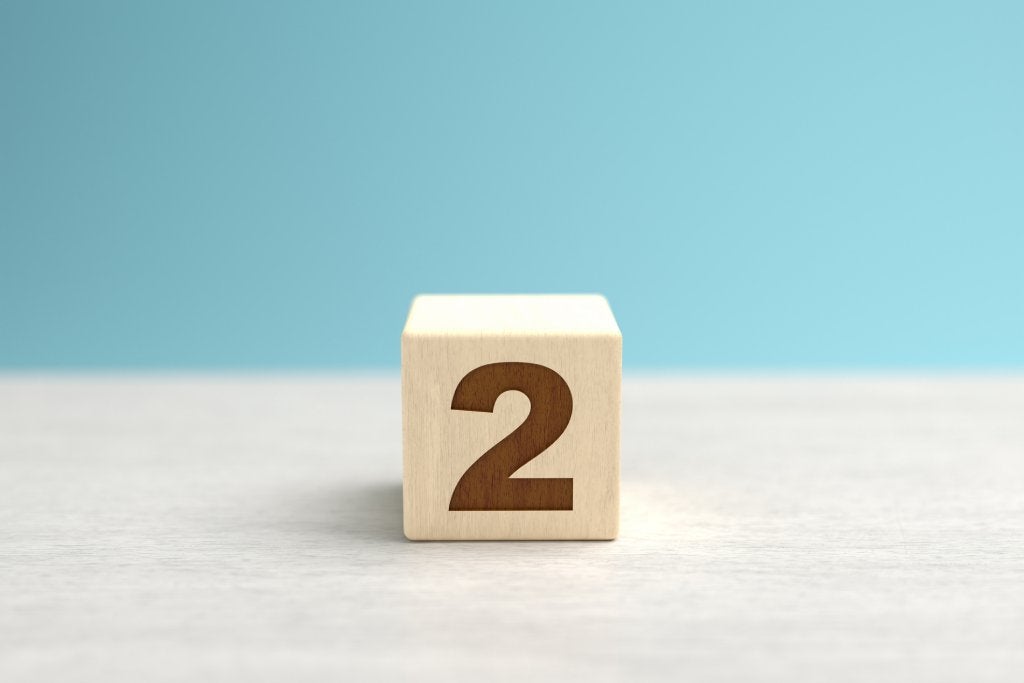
(753, 185)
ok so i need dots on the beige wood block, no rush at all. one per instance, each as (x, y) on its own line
(510, 418)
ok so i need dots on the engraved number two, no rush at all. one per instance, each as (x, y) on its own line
(487, 484)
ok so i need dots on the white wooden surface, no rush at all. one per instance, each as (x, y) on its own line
(205, 529)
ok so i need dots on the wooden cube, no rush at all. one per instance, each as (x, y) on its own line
(510, 418)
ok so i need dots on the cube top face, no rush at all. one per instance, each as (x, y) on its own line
(523, 314)
(511, 418)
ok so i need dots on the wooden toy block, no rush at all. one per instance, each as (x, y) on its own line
(510, 418)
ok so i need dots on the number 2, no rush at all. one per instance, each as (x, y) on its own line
(487, 484)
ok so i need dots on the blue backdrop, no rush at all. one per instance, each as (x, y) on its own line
(752, 185)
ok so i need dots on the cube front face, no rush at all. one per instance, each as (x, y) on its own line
(457, 459)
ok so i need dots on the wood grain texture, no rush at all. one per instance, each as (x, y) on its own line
(449, 339)
(773, 529)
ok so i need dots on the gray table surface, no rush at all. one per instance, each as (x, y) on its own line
(209, 528)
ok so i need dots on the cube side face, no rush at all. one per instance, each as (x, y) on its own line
(440, 443)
